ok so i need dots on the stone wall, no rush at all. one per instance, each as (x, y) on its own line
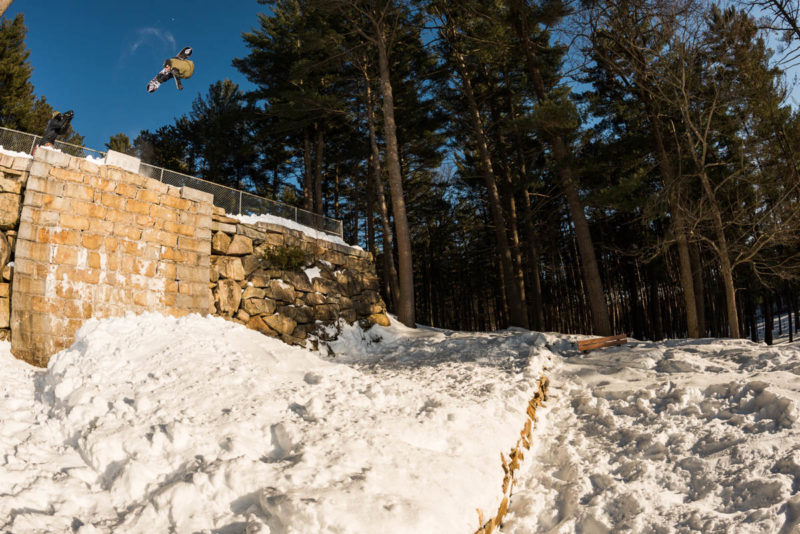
(99, 241)
(335, 281)
(81, 240)
(13, 176)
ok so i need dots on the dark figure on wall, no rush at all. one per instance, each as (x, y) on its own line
(58, 125)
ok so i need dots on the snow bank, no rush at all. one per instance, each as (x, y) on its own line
(151, 423)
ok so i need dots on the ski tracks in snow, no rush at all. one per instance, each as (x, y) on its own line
(667, 438)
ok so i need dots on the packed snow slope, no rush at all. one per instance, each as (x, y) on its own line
(157, 424)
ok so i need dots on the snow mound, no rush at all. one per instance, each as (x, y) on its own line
(196, 424)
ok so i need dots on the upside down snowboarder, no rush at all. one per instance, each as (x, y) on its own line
(179, 67)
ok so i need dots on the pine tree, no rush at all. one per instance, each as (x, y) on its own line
(16, 98)
(120, 143)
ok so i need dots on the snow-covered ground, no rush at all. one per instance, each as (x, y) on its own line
(157, 424)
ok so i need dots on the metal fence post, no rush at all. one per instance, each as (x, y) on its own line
(295, 214)
(240, 203)
(162, 174)
(33, 144)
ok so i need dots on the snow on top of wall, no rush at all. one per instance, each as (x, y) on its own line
(311, 232)
(8, 152)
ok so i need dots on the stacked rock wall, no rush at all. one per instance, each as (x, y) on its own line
(13, 176)
(331, 281)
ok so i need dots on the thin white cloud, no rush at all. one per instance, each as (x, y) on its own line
(152, 35)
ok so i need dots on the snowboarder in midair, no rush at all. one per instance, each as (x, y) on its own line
(57, 125)
(178, 67)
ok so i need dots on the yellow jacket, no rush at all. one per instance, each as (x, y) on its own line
(182, 68)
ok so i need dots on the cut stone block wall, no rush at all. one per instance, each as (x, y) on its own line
(99, 241)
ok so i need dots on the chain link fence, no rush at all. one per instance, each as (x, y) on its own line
(233, 201)
(25, 142)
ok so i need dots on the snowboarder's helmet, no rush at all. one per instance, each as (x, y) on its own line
(186, 52)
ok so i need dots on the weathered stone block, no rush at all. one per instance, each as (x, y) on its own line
(52, 157)
(349, 315)
(257, 323)
(220, 242)
(325, 312)
(9, 210)
(281, 324)
(314, 299)
(228, 267)
(250, 231)
(260, 278)
(228, 296)
(197, 196)
(223, 227)
(325, 286)
(298, 280)
(252, 262)
(256, 306)
(240, 246)
(281, 291)
(123, 161)
(194, 245)
(298, 315)
(378, 318)
(5, 312)
(11, 183)
(252, 292)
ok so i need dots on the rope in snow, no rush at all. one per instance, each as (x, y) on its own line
(516, 456)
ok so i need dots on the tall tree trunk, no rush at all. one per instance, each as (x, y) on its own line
(389, 269)
(319, 148)
(590, 269)
(516, 309)
(369, 209)
(308, 182)
(512, 221)
(4, 5)
(766, 311)
(789, 316)
(405, 301)
(655, 305)
(669, 178)
(699, 288)
(276, 183)
(535, 308)
(726, 269)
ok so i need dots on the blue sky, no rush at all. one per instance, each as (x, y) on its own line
(96, 57)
